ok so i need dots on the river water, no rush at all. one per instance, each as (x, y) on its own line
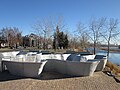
(114, 57)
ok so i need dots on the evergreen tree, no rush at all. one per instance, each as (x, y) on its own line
(54, 47)
(60, 39)
(66, 41)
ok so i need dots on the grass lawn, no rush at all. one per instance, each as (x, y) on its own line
(32, 48)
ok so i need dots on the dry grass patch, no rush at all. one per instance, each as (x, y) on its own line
(114, 68)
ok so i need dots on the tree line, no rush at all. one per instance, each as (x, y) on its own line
(11, 36)
(54, 32)
(99, 31)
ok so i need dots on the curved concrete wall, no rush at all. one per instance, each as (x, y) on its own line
(89, 56)
(10, 54)
(81, 68)
(101, 58)
(26, 69)
(101, 64)
(1, 66)
(72, 68)
(53, 56)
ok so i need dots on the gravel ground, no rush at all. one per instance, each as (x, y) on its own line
(55, 81)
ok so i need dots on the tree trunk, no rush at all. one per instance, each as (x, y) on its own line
(94, 47)
(0, 44)
(108, 49)
(44, 44)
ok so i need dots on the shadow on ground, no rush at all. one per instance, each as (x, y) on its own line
(117, 79)
(6, 76)
(53, 75)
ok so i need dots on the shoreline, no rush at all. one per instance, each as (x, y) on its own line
(111, 50)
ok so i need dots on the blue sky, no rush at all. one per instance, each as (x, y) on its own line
(24, 13)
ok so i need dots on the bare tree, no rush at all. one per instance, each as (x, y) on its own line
(47, 27)
(43, 29)
(13, 36)
(82, 35)
(18, 35)
(60, 23)
(3, 38)
(73, 41)
(96, 26)
(110, 32)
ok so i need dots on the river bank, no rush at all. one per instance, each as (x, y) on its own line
(111, 50)
(113, 68)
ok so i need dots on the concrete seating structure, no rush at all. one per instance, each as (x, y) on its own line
(34, 63)
(101, 58)
(25, 69)
(75, 66)
(52, 56)
(71, 68)
(8, 55)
